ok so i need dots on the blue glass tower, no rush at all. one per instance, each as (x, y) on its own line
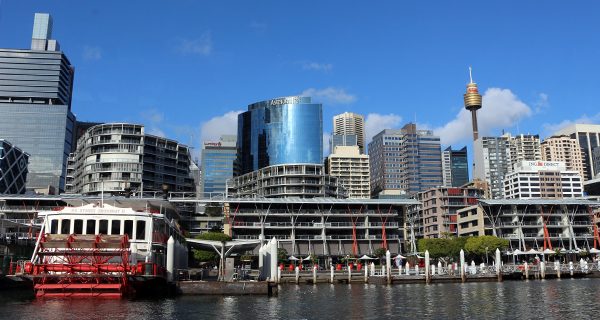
(280, 131)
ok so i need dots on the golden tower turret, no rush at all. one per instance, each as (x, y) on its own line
(473, 103)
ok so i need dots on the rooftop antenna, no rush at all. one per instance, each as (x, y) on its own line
(192, 144)
(470, 75)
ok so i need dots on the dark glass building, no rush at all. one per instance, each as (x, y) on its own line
(35, 103)
(456, 167)
(280, 131)
(13, 168)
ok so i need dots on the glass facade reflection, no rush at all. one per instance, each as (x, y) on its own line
(218, 165)
(456, 167)
(280, 131)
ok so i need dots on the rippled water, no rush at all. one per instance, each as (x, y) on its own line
(551, 299)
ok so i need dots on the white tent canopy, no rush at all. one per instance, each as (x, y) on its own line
(399, 257)
(365, 257)
(292, 258)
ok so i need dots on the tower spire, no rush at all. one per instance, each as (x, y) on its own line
(473, 103)
(470, 75)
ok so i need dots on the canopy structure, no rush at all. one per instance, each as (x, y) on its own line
(548, 251)
(594, 250)
(306, 259)
(527, 252)
(365, 257)
(399, 257)
(292, 258)
(224, 249)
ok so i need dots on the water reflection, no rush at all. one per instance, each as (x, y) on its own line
(550, 299)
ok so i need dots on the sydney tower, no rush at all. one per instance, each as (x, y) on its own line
(473, 103)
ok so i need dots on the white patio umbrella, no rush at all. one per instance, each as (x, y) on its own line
(292, 258)
(548, 251)
(532, 251)
(399, 257)
(365, 257)
(594, 250)
(306, 259)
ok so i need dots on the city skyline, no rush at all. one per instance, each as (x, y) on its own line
(204, 63)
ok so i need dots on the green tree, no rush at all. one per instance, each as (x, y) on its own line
(213, 209)
(314, 258)
(477, 245)
(210, 256)
(380, 253)
(282, 255)
(216, 229)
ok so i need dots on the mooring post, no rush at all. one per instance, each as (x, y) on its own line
(332, 273)
(427, 268)
(557, 268)
(349, 274)
(463, 276)
(366, 272)
(407, 268)
(278, 275)
(314, 275)
(543, 269)
(372, 269)
(439, 268)
(498, 265)
(388, 266)
(571, 267)
(297, 275)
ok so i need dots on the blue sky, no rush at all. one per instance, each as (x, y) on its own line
(184, 67)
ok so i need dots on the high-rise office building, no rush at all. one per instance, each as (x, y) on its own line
(492, 162)
(588, 136)
(218, 164)
(352, 167)
(350, 124)
(13, 168)
(523, 147)
(564, 149)
(455, 167)
(342, 140)
(542, 179)
(280, 131)
(35, 102)
(406, 159)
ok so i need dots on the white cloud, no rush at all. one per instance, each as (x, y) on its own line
(260, 27)
(501, 110)
(375, 123)
(309, 65)
(152, 115)
(92, 53)
(326, 138)
(542, 103)
(330, 95)
(202, 45)
(549, 129)
(156, 132)
(212, 129)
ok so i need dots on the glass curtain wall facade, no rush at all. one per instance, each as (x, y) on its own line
(35, 104)
(13, 168)
(280, 131)
(456, 167)
(218, 165)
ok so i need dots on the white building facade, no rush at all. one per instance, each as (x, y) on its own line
(542, 180)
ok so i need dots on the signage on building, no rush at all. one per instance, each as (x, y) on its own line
(425, 132)
(213, 144)
(543, 164)
(292, 100)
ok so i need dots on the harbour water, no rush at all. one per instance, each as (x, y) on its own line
(547, 299)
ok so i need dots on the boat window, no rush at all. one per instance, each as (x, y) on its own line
(65, 226)
(54, 226)
(140, 232)
(78, 226)
(91, 227)
(115, 227)
(103, 227)
(128, 228)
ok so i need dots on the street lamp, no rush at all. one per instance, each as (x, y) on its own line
(486, 256)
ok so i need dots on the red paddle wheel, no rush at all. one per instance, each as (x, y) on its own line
(82, 266)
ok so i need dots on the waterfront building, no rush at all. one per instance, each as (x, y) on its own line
(479, 184)
(13, 168)
(542, 180)
(113, 157)
(352, 169)
(564, 149)
(341, 140)
(287, 181)
(349, 123)
(596, 161)
(325, 227)
(492, 162)
(35, 102)
(524, 147)
(286, 130)
(455, 166)
(588, 136)
(406, 159)
(437, 217)
(533, 223)
(218, 164)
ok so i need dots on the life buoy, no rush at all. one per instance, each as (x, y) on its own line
(521, 268)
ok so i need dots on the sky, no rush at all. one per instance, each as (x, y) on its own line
(189, 67)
